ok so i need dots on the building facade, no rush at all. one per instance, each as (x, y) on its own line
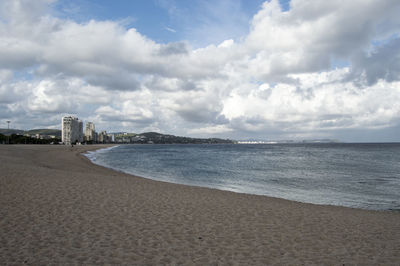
(71, 130)
(103, 137)
(90, 133)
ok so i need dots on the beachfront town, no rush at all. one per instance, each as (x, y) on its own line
(73, 132)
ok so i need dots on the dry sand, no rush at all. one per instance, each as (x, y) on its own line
(58, 208)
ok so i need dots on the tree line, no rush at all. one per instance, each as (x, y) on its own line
(20, 139)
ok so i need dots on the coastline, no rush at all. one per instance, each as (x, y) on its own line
(60, 208)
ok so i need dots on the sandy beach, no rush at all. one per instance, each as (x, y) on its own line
(59, 208)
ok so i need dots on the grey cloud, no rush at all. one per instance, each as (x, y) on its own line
(388, 134)
(114, 79)
(175, 48)
(306, 94)
(114, 120)
(249, 124)
(197, 115)
(276, 77)
(24, 11)
(200, 107)
(125, 118)
(48, 121)
(158, 83)
(334, 116)
(311, 61)
(383, 63)
(335, 121)
(5, 111)
(221, 120)
(10, 91)
(7, 95)
(120, 82)
(23, 119)
(55, 106)
(187, 85)
(259, 128)
(17, 57)
(259, 125)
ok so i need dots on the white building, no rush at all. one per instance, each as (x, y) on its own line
(71, 130)
(90, 133)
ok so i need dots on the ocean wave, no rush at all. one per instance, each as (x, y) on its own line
(92, 155)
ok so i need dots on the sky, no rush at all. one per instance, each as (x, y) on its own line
(273, 70)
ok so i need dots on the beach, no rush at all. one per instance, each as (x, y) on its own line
(59, 208)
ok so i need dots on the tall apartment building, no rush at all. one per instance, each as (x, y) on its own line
(90, 133)
(71, 130)
(80, 124)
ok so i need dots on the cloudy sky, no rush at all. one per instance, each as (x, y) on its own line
(299, 69)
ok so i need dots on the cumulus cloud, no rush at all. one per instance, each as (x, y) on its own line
(312, 33)
(276, 81)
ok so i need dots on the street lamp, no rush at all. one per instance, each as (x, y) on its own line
(8, 127)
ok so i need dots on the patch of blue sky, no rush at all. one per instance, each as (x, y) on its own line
(167, 21)
(385, 41)
(26, 74)
(285, 5)
(147, 17)
(378, 43)
(256, 81)
(337, 63)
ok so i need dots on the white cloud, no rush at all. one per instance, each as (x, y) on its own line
(211, 130)
(170, 29)
(318, 102)
(313, 33)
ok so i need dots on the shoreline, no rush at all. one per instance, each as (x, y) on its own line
(59, 209)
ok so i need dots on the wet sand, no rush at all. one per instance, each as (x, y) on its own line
(59, 208)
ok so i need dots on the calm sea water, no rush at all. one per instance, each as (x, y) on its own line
(355, 175)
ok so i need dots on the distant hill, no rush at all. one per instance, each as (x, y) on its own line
(44, 131)
(158, 138)
(147, 137)
(8, 132)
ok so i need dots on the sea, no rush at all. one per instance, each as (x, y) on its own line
(357, 175)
